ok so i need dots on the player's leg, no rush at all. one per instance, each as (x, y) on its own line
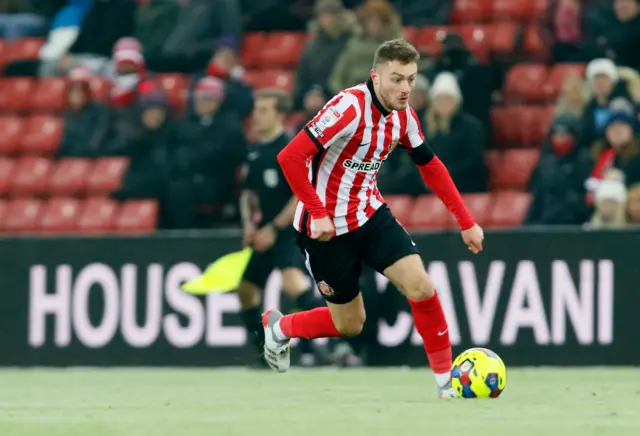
(336, 268)
(250, 294)
(393, 253)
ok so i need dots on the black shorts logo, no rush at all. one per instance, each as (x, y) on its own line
(325, 289)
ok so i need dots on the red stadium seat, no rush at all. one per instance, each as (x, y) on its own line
(509, 209)
(15, 94)
(478, 39)
(137, 216)
(10, 128)
(3, 46)
(429, 213)
(524, 82)
(479, 205)
(22, 215)
(410, 33)
(100, 88)
(98, 215)
(252, 46)
(539, 9)
(23, 49)
(41, 134)
(60, 215)
(31, 176)
(503, 38)
(428, 39)
(557, 75)
(176, 86)
(261, 79)
(506, 130)
(513, 10)
(533, 43)
(514, 169)
(69, 176)
(493, 158)
(4, 207)
(401, 206)
(282, 49)
(106, 175)
(471, 11)
(534, 124)
(49, 95)
(6, 175)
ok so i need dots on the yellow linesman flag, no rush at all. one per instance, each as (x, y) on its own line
(221, 276)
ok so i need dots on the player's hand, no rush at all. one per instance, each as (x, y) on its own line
(249, 231)
(473, 237)
(264, 238)
(324, 229)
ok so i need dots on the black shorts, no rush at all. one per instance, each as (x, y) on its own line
(283, 254)
(336, 265)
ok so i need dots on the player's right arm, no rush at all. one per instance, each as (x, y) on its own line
(336, 120)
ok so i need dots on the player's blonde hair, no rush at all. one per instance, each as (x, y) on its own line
(399, 50)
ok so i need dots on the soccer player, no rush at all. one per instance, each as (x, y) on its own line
(266, 192)
(342, 220)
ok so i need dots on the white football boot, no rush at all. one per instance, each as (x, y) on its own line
(277, 353)
(446, 391)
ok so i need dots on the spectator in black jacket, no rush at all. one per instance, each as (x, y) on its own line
(85, 122)
(210, 148)
(149, 149)
(455, 136)
(558, 182)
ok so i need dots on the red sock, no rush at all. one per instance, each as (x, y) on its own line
(310, 324)
(431, 324)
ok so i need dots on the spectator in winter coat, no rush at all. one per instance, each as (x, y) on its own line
(225, 66)
(149, 149)
(154, 20)
(456, 137)
(130, 72)
(633, 204)
(424, 12)
(314, 100)
(331, 30)
(379, 22)
(209, 149)
(611, 200)
(605, 84)
(557, 183)
(85, 122)
(614, 32)
(455, 58)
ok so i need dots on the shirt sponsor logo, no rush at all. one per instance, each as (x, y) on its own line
(363, 167)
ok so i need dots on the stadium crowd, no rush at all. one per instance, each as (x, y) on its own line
(532, 105)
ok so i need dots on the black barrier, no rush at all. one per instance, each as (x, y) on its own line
(536, 298)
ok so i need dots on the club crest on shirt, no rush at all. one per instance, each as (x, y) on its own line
(329, 118)
(325, 288)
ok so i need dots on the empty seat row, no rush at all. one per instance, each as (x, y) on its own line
(34, 134)
(491, 210)
(39, 176)
(20, 49)
(511, 169)
(520, 126)
(536, 83)
(474, 11)
(72, 215)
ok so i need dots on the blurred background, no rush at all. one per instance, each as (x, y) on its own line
(120, 119)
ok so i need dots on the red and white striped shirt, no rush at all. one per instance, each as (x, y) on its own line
(354, 134)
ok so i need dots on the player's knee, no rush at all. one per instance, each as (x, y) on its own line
(419, 289)
(350, 326)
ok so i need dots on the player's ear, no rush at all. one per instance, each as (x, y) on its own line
(374, 76)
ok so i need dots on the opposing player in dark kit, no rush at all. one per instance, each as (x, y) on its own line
(267, 192)
(342, 220)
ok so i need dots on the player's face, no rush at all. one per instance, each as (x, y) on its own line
(265, 115)
(394, 83)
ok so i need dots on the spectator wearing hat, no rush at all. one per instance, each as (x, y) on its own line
(604, 81)
(379, 22)
(331, 29)
(130, 72)
(610, 210)
(85, 121)
(456, 136)
(148, 148)
(209, 149)
(557, 183)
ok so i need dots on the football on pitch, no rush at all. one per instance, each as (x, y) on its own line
(478, 373)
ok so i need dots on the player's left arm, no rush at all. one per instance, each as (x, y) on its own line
(437, 178)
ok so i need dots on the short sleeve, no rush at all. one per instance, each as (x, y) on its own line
(337, 119)
(414, 137)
